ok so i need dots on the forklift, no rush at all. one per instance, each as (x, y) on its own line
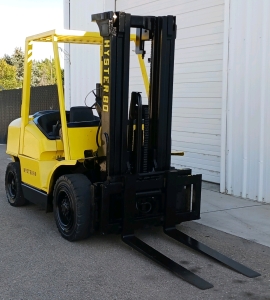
(110, 172)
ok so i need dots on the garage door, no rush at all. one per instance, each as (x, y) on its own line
(197, 79)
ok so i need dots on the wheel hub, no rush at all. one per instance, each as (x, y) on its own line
(12, 185)
(65, 207)
(64, 211)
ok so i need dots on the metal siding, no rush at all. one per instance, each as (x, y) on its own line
(197, 79)
(82, 62)
(248, 111)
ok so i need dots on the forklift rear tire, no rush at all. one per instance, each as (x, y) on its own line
(13, 185)
(72, 206)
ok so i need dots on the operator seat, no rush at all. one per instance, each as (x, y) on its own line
(82, 116)
(81, 113)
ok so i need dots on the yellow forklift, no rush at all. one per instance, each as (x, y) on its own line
(110, 173)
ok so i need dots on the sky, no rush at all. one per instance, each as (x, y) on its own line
(22, 18)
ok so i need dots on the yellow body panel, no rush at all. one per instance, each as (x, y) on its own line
(81, 139)
(31, 172)
(37, 146)
(13, 144)
(38, 173)
(40, 156)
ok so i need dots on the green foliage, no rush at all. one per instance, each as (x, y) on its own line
(43, 72)
(17, 59)
(35, 78)
(8, 59)
(7, 76)
(48, 72)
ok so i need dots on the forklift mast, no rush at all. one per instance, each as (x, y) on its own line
(140, 187)
(115, 30)
(135, 152)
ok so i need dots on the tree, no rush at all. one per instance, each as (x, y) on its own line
(17, 59)
(48, 72)
(8, 59)
(7, 75)
(43, 72)
(36, 74)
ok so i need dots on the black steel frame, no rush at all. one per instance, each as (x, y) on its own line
(136, 163)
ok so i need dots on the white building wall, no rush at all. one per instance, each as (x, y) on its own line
(198, 72)
(82, 62)
(248, 106)
(197, 79)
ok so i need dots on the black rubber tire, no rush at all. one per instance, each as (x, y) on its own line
(73, 207)
(13, 185)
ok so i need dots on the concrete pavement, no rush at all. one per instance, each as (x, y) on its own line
(36, 263)
(240, 217)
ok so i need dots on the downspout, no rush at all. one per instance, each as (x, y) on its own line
(261, 196)
(226, 37)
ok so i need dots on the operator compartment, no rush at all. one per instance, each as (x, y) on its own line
(82, 126)
(48, 121)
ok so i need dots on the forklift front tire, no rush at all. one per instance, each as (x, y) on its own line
(72, 207)
(13, 185)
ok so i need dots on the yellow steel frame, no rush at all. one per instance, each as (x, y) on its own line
(55, 37)
(39, 156)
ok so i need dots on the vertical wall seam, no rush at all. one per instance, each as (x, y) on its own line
(226, 43)
(246, 102)
(263, 98)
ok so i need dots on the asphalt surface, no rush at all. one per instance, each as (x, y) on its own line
(37, 263)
